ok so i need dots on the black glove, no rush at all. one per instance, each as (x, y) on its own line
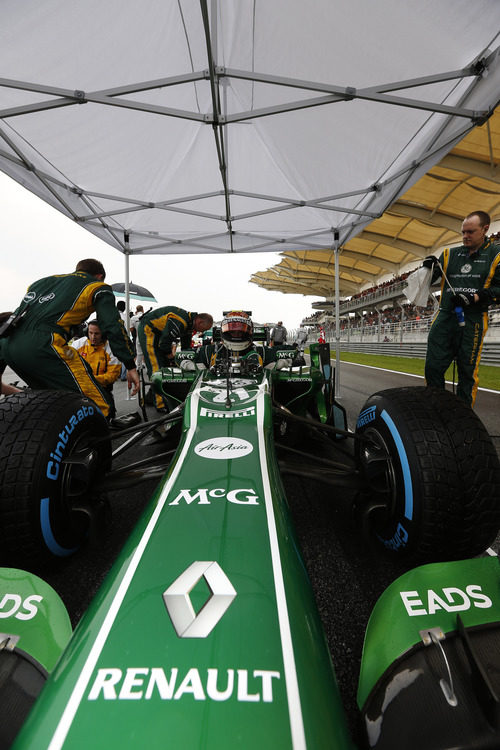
(483, 296)
(463, 299)
(430, 261)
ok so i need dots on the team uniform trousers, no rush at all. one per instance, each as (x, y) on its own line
(44, 359)
(447, 341)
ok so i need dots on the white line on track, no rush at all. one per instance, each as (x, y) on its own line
(410, 374)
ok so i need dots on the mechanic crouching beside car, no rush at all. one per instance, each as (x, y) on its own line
(35, 343)
(96, 351)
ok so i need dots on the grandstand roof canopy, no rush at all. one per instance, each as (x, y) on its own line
(426, 217)
(174, 126)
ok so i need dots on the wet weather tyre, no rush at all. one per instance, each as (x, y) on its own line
(54, 446)
(432, 475)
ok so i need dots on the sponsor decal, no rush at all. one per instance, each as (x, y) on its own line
(222, 448)
(450, 598)
(475, 343)
(219, 395)
(11, 605)
(399, 539)
(29, 297)
(248, 412)
(57, 454)
(144, 683)
(366, 416)
(205, 496)
(187, 623)
(466, 268)
(222, 382)
(181, 356)
(284, 354)
(47, 298)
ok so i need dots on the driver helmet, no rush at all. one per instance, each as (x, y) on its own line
(237, 330)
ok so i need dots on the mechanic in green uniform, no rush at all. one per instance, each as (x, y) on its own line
(473, 271)
(158, 332)
(36, 345)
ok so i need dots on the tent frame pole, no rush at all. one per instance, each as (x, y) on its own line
(336, 251)
(127, 281)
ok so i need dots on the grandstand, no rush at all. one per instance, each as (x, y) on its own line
(382, 315)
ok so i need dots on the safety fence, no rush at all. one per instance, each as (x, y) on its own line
(407, 338)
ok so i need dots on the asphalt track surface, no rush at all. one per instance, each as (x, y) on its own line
(347, 576)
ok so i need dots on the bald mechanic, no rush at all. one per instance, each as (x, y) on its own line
(36, 346)
(158, 332)
(473, 270)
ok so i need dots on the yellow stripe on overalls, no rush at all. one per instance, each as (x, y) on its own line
(76, 366)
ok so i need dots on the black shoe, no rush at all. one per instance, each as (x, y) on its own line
(127, 420)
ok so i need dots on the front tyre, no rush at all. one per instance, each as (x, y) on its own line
(53, 447)
(432, 475)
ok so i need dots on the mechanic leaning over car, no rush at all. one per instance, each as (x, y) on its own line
(473, 271)
(36, 343)
(158, 332)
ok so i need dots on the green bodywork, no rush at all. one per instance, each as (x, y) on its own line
(427, 597)
(205, 633)
(32, 617)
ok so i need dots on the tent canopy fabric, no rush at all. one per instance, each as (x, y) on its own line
(175, 126)
(426, 217)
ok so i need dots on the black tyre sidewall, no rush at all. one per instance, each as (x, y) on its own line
(72, 428)
(442, 454)
(52, 426)
(399, 530)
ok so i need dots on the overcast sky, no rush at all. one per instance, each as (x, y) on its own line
(38, 241)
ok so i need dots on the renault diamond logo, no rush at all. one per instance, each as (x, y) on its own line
(186, 622)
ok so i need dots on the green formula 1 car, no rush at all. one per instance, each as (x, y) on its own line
(205, 634)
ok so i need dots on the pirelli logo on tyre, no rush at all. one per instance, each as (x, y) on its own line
(366, 416)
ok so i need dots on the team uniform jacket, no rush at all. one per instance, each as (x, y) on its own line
(166, 325)
(38, 350)
(106, 368)
(468, 273)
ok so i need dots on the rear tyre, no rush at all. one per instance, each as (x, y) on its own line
(53, 447)
(432, 475)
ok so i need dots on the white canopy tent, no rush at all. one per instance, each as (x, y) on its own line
(177, 126)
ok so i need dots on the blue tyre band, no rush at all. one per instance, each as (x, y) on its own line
(405, 466)
(47, 532)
